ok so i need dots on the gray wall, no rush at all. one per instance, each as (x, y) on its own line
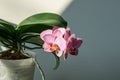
(98, 23)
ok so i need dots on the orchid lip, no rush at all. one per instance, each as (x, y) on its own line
(54, 47)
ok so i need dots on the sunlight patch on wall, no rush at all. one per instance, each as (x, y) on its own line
(17, 10)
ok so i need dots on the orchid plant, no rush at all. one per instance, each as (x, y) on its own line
(45, 30)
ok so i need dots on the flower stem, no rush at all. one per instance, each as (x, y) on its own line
(40, 69)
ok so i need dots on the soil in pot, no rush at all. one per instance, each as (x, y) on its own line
(10, 55)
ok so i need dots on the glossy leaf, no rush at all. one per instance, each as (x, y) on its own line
(7, 25)
(5, 33)
(27, 36)
(4, 40)
(7, 29)
(35, 40)
(40, 22)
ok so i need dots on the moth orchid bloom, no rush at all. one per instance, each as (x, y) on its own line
(54, 41)
(72, 43)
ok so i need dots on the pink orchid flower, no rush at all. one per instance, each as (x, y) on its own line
(72, 43)
(54, 41)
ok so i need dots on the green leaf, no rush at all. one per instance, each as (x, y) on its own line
(31, 48)
(2, 39)
(7, 25)
(5, 33)
(35, 40)
(7, 29)
(6, 42)
(57, 61)
(40, 22)
(27, 36)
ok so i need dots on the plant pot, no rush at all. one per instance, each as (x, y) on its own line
(17, 69)
(22, 69)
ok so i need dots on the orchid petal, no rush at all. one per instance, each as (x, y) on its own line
(70, 41)
(61, 43)
(46, 47)
(65, 54)
(75, 52)
(48, 38)
(44, 33)
(59, 53)
(59, 32)
(79, 42)
(62, 30)
(75, 42)
(67, 34)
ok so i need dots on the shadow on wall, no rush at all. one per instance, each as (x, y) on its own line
(98, 23)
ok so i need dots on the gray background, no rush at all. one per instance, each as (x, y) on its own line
(98, 23)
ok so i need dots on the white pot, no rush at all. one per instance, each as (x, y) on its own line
(17, 69)
(22, 69)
